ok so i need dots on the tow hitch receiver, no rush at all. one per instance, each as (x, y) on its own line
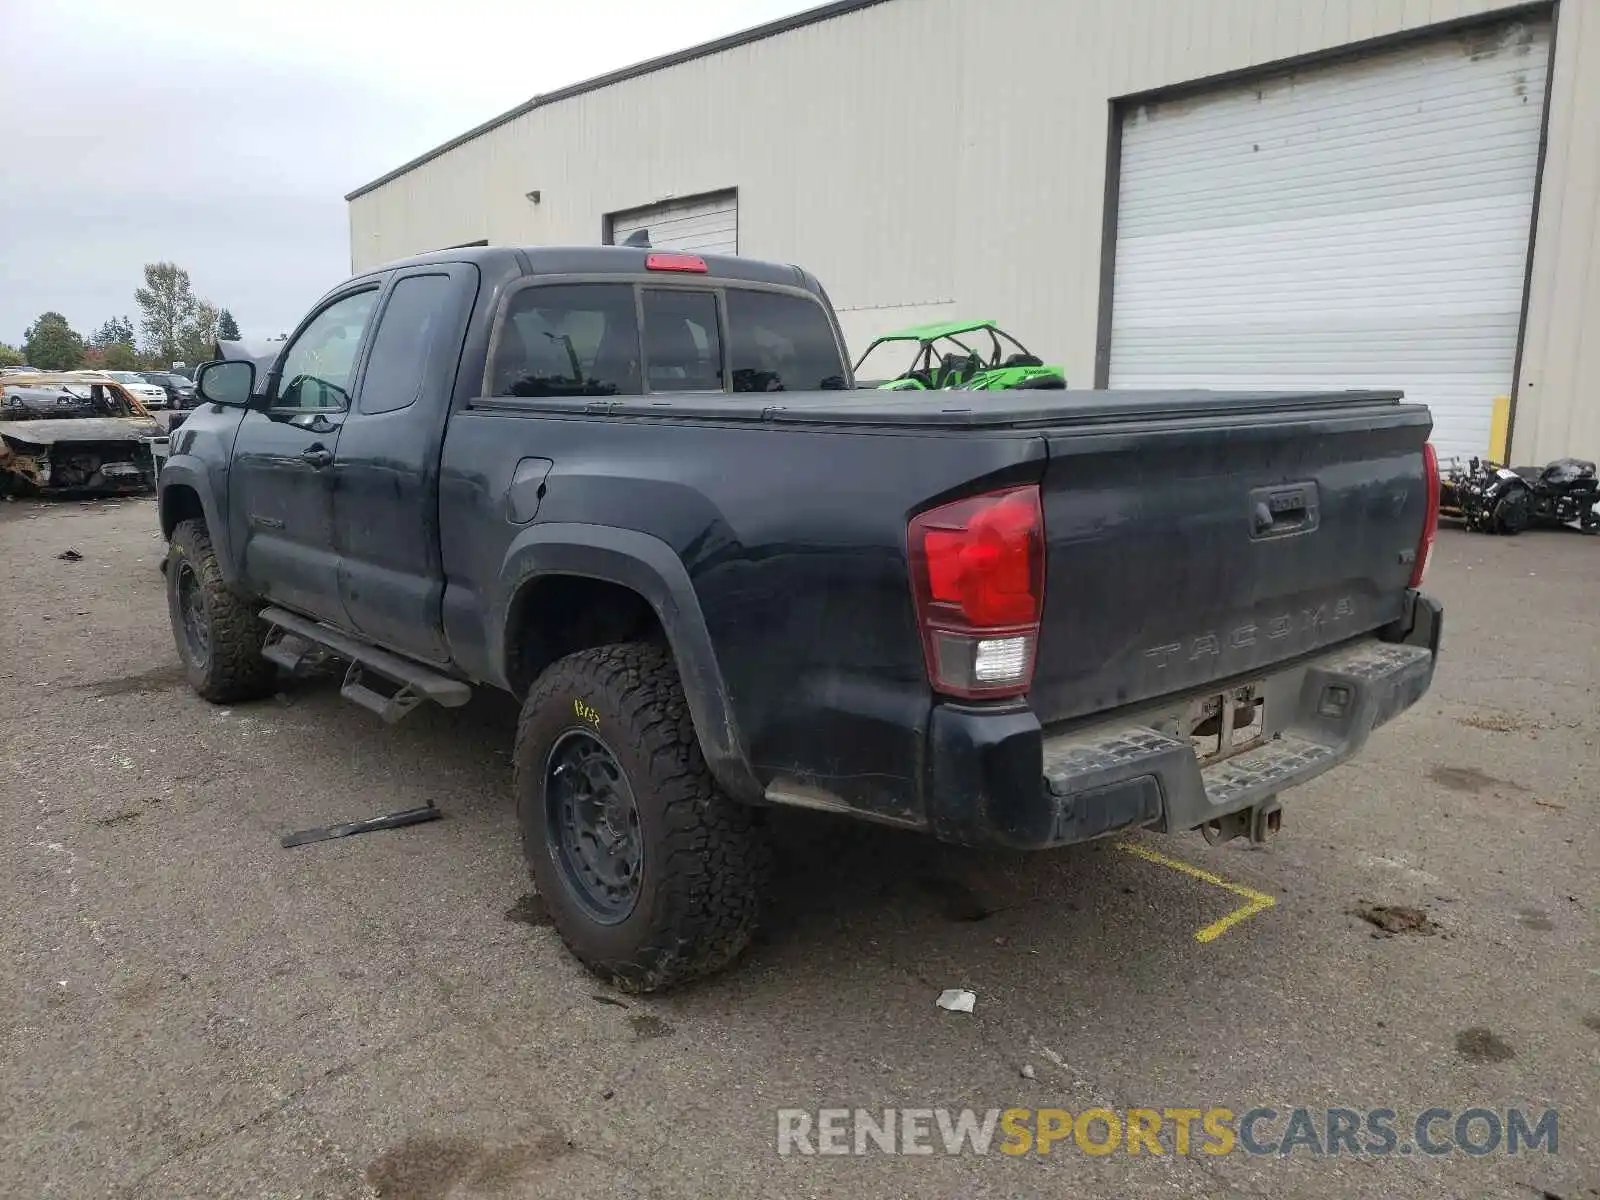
(1258, 824)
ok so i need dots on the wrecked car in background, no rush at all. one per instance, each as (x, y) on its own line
(73, 433)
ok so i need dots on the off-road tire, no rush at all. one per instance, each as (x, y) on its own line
(705, 857)
(234, 670)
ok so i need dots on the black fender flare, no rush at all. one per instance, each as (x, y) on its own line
(189, 472)
(650, 567)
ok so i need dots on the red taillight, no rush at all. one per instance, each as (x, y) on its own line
(1430, 524)
(977, 570)
(675, 262)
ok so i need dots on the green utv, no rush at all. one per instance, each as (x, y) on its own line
(945, 360)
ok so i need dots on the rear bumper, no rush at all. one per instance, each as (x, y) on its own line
(998, 778)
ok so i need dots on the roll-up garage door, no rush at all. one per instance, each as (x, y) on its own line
(1355, 224)
(709, 224)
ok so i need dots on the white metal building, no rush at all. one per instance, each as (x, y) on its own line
(1270, 193)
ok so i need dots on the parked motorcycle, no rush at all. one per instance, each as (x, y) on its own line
(1492, 498)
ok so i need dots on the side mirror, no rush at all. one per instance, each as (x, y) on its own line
(227, 382)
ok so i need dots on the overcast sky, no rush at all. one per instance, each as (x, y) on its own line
(224, 137)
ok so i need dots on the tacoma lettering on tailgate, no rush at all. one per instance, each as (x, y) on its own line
(1215, 644)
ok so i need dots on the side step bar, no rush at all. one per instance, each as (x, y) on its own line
(295, 642)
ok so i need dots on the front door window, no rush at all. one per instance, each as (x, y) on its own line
(319, 368)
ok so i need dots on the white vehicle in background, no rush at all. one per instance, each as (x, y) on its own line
(150, 395)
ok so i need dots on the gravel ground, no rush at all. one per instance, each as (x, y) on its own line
(190, 1010)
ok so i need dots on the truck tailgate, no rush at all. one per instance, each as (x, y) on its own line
(1189, 544)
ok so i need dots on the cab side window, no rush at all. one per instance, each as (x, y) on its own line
(403, 345)
(318, 368)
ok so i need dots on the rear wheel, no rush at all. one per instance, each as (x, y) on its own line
(651, 874)
(217, 632)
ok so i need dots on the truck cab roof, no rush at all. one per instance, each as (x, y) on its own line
(603, 260)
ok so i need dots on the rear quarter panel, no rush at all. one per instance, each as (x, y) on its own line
(793, 540)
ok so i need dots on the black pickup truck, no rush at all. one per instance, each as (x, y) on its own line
(638, 491)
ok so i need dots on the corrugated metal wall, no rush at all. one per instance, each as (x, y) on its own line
(838, 136)
(1358, 223)
(1558, 402)
(926, 157)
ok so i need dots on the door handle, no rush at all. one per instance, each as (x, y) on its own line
(317, 456)
(1278, 511)
(1268, 518)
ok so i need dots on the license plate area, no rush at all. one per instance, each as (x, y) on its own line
(1223, 724)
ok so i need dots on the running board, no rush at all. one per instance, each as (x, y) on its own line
(295, 642)
(291, 651)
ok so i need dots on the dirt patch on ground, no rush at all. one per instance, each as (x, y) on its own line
(529, 910)
(126, 817)
(647, 1028)
(166, 678)
(1494, 723)
(1535, 918)
(957, 901)
(1480, 1045)
(424, 1167)
(1470, 780)
(1392, 919)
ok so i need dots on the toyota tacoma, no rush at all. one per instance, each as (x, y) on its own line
(638, 491)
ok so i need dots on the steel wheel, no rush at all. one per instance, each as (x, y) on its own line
(193, 622)
(594, 818)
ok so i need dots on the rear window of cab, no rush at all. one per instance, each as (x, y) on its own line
(628, 339)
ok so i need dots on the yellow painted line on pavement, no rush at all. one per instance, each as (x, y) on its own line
(1255, 902)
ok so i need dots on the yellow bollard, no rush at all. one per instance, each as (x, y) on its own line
(1499, 426)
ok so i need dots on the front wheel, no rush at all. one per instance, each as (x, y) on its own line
(651, 874)
(217, 632)
(1510, 516)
